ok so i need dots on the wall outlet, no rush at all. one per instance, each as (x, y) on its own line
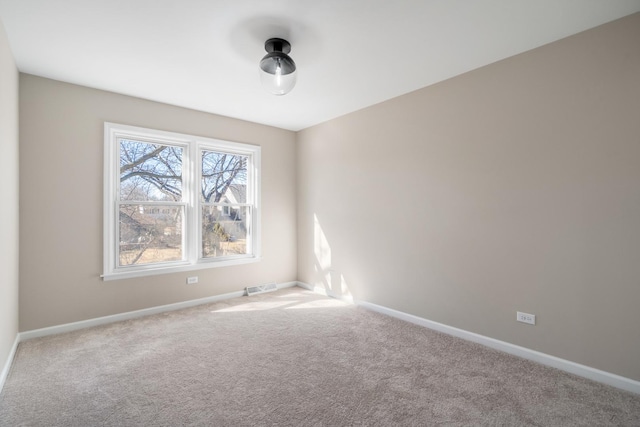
(526, 318)
(192, 280)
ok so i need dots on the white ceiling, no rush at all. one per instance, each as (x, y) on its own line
(204, 54)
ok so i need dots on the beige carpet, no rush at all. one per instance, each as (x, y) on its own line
(290, 358)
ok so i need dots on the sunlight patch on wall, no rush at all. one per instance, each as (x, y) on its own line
(321, 247)
(332, 281)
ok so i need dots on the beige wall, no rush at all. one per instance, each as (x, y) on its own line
(515, 187)
(61, 155)
(9, 197)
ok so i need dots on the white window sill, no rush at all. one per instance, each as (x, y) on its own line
(124, 274)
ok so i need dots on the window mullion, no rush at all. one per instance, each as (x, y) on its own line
(193, 224)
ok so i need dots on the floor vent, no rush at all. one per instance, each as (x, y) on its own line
(260, 289)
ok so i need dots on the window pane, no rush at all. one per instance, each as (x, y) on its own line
(224, 178)
(150, 172)
(224, 230)
(150, 234)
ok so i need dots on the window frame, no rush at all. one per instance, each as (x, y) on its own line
(193, 146)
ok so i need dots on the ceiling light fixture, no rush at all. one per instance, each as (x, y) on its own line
(278, 71)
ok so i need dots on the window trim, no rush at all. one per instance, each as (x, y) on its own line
(191, 169)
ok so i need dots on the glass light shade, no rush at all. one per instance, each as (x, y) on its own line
(277, 69)
(278, 84)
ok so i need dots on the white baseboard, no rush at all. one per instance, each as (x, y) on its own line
(7, 365)
(307, 286)
(326, 292)
(287, 285)
(536, 356)
(68, 327)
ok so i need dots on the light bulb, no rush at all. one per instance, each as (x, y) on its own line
(278, 71)
(278, 74)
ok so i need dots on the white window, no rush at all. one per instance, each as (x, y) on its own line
(175, 202)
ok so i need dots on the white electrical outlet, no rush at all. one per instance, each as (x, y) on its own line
(192, 280)
(526, 318)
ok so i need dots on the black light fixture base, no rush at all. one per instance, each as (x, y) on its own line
(277, 45)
